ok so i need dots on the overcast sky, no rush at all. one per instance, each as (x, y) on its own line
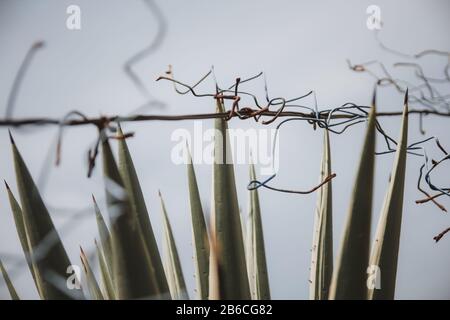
(300, 45)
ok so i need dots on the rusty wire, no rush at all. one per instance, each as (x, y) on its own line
(423, 92)
(336, 120)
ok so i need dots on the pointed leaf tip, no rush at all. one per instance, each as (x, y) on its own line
(173, 269)
(199, 233)
(93, 287)
(322, 248)
(35, 221)
(119, 130)
(349, 280)
(374, 97)
(142, 243)
(11, 137)
(256, 256)
(385, 249)
(12, 291)
(406, 97)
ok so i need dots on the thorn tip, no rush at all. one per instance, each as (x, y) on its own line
(406, 98)
(11, 137)
(374, 97)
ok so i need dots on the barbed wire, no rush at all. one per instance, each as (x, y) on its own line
(423, 92)
(335, 120)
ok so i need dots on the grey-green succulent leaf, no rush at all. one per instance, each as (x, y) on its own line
(12, 291)
(349, 275)
(256, 254)
(232, 269)
(322, 248)
(382, 270)
(199, 234)
(93, 287)
(214, 267)
(20, 228)
(105, 236)
(47, 254)
(173, 269)
(133, 272)
(139, 209)
(104, 254)
(106, 276)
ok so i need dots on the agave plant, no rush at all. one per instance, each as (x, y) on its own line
(230, 260)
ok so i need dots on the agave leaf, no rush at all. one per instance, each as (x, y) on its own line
(139, 209)
(47, 253)
(322, 249)
(244, 232)
(256, 261)
(384, 255)
(232, 269)
(93, 287)
(105, 237)
(18, 220)
(174, 272)
(199, 234)
(12, 291)
(104, 254)
(249, 252)
(213, 279)
(133, 274)
(349, 275)
(107, 282)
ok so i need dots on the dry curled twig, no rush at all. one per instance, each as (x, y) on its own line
(440, 235)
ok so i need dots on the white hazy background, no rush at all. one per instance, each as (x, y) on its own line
(301, 45)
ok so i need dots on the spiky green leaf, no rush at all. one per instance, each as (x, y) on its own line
(199, 234)
(12, 291)
(322, 248)
(133, 274)
(105, 236)
(232, 270)
(93, 287)
(173, 269)
(349, 275)
(256, 254)
(384, 256)
(214, 268)
(107, 282)
(20, 228)
(139, 209)
(47, 253)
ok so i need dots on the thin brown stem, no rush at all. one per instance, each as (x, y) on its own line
(440, 235)
(245, 112)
